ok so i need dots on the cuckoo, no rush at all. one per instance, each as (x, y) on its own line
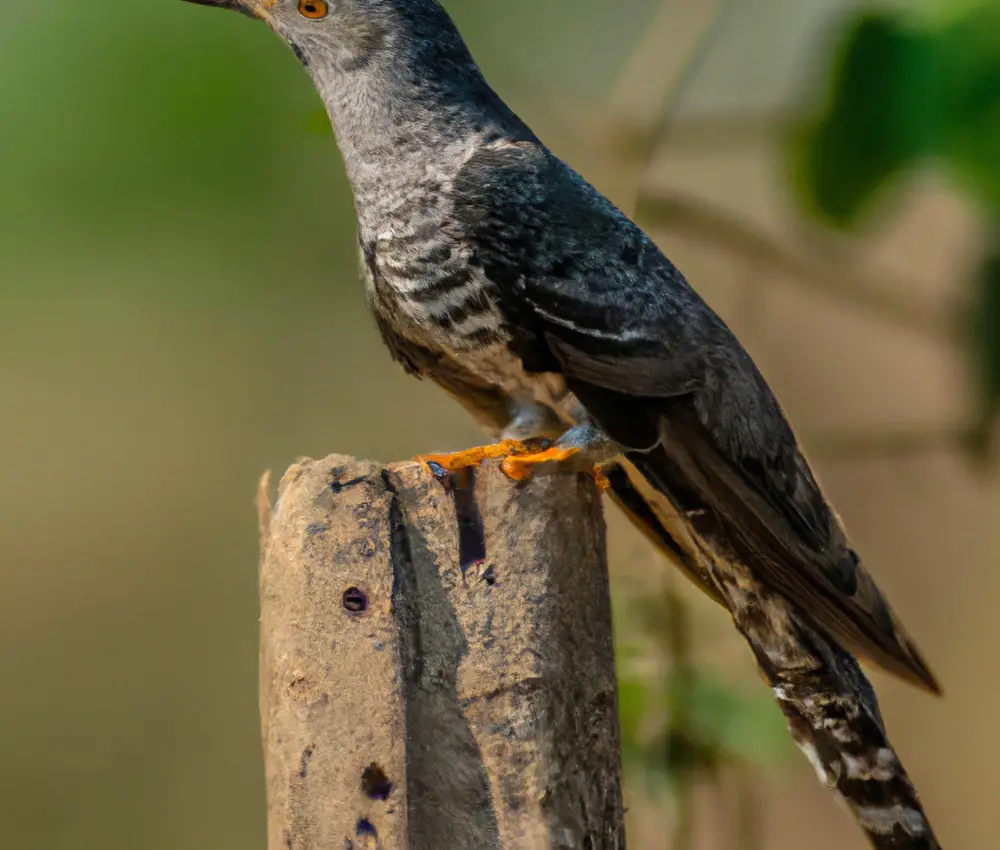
(498, 272)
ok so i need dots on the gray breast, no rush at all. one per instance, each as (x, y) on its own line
(425, 288)
(425, 292)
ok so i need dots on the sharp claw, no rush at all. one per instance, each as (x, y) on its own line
(518, 459)
(514, 471)
(438, 471)
(470, 457)
(518, 467)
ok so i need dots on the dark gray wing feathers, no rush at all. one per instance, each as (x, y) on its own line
(586, 293)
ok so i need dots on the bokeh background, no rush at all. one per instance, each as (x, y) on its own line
(179, 310)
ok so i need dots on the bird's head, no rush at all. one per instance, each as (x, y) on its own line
(345, 32)
(383, 68)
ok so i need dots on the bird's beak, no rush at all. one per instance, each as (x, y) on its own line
(244, 7)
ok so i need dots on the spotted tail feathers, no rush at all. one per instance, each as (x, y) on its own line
(832, 714)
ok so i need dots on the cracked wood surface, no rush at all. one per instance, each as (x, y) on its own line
(436, 661)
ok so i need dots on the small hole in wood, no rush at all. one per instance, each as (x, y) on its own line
(365, 827)
(374, 782)
(355, 601)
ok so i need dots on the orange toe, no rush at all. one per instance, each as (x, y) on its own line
(473, 457)
(601, 480)
(519, 466)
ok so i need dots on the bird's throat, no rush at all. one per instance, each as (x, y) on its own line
(401, 90)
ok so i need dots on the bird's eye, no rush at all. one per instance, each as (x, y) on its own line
(313, 9)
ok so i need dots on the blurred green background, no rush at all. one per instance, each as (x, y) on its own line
(179, 310)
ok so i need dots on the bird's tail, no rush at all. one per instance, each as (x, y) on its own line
(830, 707)
(832, 714)
(834, 718)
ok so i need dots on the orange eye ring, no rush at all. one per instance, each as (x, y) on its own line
(313, 9)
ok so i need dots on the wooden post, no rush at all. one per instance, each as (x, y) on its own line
(437, 669)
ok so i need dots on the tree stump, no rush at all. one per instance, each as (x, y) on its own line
(437, 670)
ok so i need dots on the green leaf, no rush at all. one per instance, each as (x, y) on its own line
(937, 12)
(727, 725)
(879, 119)
(709, 724)
(969, 51)
(632, 706)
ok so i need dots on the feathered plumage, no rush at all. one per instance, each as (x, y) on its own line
(497, 271)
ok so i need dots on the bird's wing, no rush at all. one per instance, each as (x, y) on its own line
(588, 295)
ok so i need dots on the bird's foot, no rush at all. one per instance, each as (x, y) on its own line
(518, 466)
(600, 479)
(455, 461)
(583, 447)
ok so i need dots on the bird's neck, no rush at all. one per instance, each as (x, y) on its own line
(406, 101)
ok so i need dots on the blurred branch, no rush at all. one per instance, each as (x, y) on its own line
(748, 833)
(897, 444)
(651, 75)
(695, 59)
(705, 223)
(627, 134)
(702, 134)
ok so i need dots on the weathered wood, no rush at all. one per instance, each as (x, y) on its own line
(436, 662)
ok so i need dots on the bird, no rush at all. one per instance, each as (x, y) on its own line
(495, 270)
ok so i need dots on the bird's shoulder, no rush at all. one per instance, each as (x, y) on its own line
(564, 257)
(516, 194)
